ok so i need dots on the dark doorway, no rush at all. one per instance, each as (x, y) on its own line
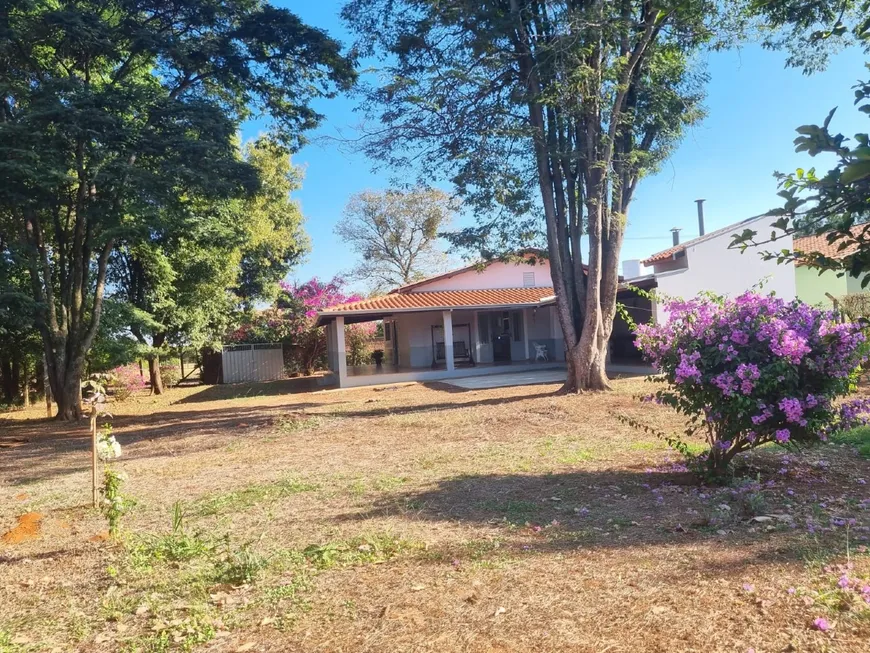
(501, 348)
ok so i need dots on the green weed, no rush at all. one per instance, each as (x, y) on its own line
(177, 546)
(295, 422)
(365, 549)
(251, 496)
(577, 456)
(858, 438)
(240, 566)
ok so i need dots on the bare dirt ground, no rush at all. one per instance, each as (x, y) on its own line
(422, 518)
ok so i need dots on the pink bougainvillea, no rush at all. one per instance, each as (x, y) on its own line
(756, 369)
(293, 320)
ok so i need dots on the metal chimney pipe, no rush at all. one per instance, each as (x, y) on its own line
(700, 204)
(676, 234)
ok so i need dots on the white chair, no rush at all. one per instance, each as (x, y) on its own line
(541, 352)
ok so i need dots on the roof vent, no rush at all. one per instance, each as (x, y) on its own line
(700, 204)
(676, 234)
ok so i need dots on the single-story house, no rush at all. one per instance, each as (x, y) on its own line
(815, 288)
(706, 263)
(467, 322)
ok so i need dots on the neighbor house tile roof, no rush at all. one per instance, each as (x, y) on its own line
(446, 299)
(677, 249)
(821, 245)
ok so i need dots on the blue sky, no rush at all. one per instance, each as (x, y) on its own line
(754, 105)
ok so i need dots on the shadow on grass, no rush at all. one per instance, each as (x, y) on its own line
(452, 404)
(609, 509)
(261, 389)
(37, 450)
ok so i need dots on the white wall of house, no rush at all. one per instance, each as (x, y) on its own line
(713, 267)
(415, 335)
(495, 275)
(414, 332)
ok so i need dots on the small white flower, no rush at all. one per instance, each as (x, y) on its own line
(108, 448)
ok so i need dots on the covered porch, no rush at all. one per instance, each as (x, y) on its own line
(437, 342)
(517, 331)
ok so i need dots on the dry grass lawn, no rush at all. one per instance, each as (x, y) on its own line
(420, 518)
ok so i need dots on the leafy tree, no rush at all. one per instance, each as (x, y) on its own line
(395, 232)
(195, 267)
(19, 341)
(810, 30)
(541, 107)
(837, 203)
(293, 320)
(113, 110)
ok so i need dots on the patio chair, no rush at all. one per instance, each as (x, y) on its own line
(541, 353)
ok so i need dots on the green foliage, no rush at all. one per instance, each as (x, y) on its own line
(177, 546)
(240, 566)
(358, 343)
(170, 374)
(811, 31)
(115, 117)
(366, 549)
(544, 116)
(395, 233)
(114, 504)
(250, 496)
(857, 437)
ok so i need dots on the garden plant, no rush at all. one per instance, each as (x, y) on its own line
(754, 370)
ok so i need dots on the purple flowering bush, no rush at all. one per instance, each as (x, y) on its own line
(756, 369)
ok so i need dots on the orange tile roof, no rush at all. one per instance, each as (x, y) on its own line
(445, 299)
(819, 244)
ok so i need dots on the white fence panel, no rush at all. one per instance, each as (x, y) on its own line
(268, 362)
(252, 363)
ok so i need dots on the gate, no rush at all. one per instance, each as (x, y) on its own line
(253, 363)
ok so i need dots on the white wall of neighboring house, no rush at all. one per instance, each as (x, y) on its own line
(712, 266)
(495, 275)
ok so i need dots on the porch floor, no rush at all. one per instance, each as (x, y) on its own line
(517, 373)
(373, 370)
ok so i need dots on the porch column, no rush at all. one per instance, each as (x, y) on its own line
(447, 316)
(340, 353)
(475, 336)
(526, 330)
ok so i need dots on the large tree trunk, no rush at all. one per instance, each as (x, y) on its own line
(154, 376)
(66, 386)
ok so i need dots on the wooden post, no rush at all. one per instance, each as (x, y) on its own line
(181, 361)
(94, 455)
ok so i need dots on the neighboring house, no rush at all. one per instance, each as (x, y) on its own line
(814, 288)
(470, 321)
(707, 264)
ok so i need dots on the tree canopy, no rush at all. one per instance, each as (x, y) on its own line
(114, 112)
(553, 109)
(395, 232)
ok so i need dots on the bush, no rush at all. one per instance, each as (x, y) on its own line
(755, 369)
(170, 374)
(358, 340)
(125, 381)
